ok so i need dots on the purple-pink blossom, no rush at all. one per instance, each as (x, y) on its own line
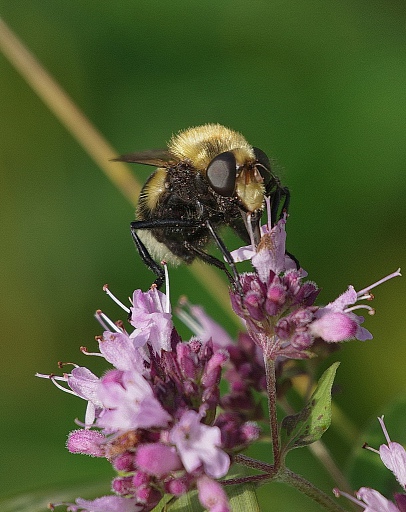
(279, 309)
(153, 414)
(88, 442)
(157, 459)
(130, 404)
(199, 445)
(370, 500)
(158, 414)
(212, 495)
(150, 313)
(106, 504)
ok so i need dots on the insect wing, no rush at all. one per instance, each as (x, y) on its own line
(154, 157)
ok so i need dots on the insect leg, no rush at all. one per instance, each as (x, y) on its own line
(286, 201)
(146, 257)
(276, 198)
(235, 279)
(208, 258)
(185, 223)
(143, 251)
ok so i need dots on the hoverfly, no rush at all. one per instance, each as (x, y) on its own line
(208, 177)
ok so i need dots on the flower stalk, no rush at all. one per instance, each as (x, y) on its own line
(310, 490)
(273, 418)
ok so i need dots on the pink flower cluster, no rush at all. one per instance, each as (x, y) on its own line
(278, 307)
(158, 415)
(154, 415)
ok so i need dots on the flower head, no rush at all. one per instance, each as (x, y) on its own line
(278, 306)
(153, 415)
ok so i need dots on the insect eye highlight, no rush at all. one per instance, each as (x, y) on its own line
(221, 173)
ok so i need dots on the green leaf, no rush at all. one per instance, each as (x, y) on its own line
(242, 498)
(313, 420)
(37, 501)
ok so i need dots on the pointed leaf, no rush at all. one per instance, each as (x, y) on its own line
(37, 501)
(313, 420)
(242, 498)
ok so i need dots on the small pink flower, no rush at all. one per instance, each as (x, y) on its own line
(375, 501)
(150, 313)
(199, 444)
(157, 459)
(122, 350)
(106, 504)
(370, 500)
(130, 404)
(212, 495)
(336, 322)
(334, 326)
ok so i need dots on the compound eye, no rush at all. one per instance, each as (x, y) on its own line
(264, 165)
(221, 173)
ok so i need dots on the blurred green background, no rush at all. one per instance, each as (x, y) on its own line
(320, 85)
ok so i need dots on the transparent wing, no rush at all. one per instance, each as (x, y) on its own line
(154, 157)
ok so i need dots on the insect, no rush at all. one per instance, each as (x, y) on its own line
(208, 177)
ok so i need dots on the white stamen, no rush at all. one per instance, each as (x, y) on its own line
(384, 429)
(339, 493)
(116, 300)
(189, 321)
(366, 290)
(100, 320)
(250, 232)
(380, 419)
(167, 290)
(62, 388)
(366, 296)
(44, 376)
(105, 322)
(371, 311)
(268, 211)
(371, 449)
(86, 353)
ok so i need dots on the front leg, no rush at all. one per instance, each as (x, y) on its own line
(142, 249)
(146, 256)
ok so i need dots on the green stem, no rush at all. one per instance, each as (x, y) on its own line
(307, 488)
(249, 462)
(273, 419)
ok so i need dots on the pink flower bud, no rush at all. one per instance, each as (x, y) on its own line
(88, 442)
(157, 459)
(212, 495)
(334, 326)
